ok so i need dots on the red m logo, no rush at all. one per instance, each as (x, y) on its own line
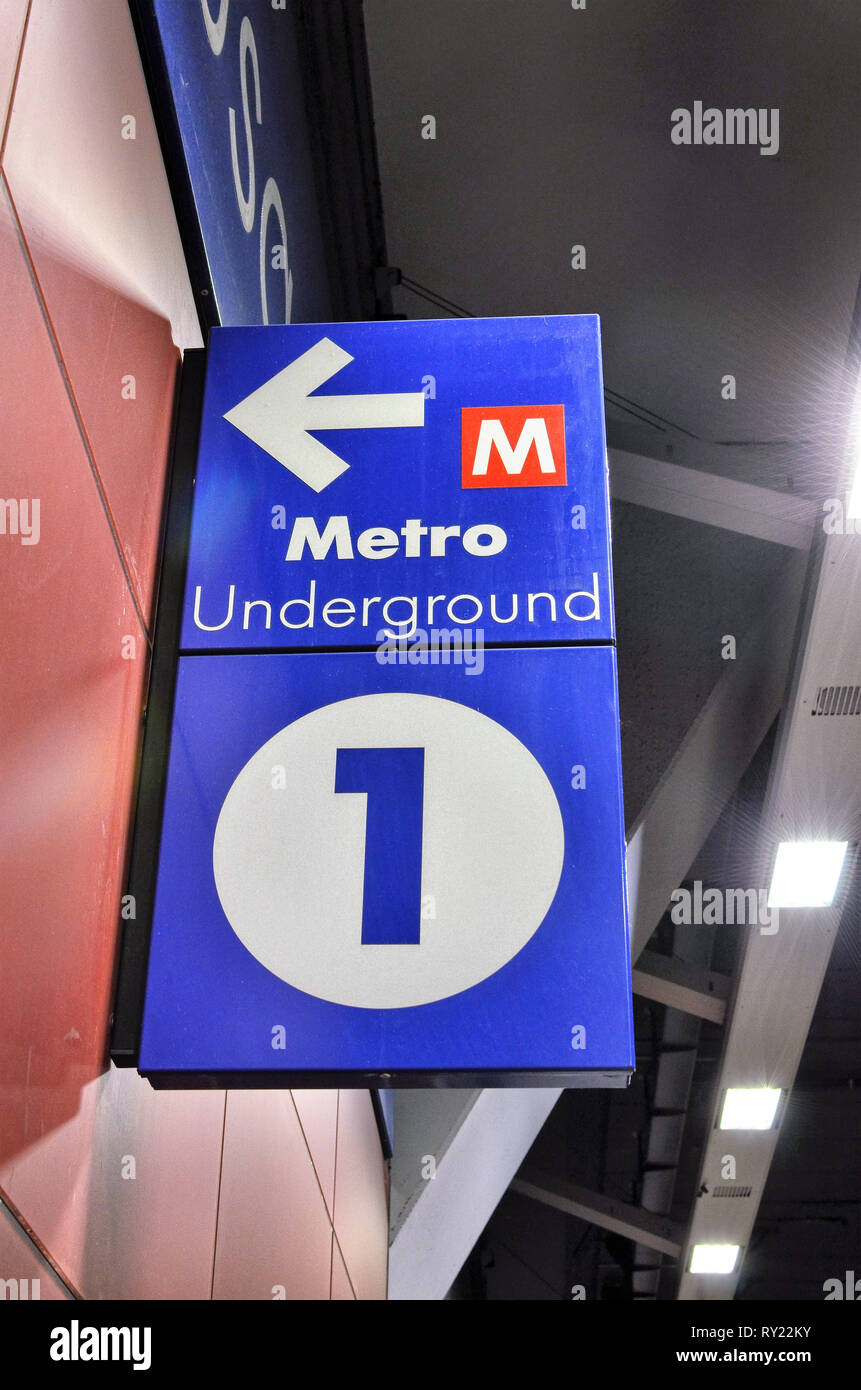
(513, 446)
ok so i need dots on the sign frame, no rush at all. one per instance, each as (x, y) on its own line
(127, 1019)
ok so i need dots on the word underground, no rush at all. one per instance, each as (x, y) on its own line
(735, 126)
(398, 611)
(343, 612)
(439, 647)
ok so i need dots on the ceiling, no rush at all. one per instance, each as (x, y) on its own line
(553, 130)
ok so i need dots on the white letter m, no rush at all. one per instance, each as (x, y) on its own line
(533, 432)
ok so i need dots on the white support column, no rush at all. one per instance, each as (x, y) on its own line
(442, 1227)
(684, 807)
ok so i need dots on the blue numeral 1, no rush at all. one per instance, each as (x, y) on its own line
(393, 779)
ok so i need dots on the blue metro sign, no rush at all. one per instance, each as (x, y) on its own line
(391, 847)
(409, 871)
(366, 477)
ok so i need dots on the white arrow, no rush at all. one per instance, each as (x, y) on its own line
(279, 414)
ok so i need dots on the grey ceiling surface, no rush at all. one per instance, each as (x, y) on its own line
(680, 587)
(553, 129)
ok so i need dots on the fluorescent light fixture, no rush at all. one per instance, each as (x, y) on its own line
(749, 1107)
(806, 873)
(714, 1259)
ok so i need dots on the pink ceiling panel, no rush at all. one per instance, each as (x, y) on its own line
(274, 1234)
(26, 1274)
(12, 16)
(361, 1202)
(125, 1195)
(101, 230)
(342, 1289)
(318, 1116)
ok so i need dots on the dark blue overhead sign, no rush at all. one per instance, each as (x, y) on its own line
(367, 869)
(229, 89)
(404, 862)
(399, 477)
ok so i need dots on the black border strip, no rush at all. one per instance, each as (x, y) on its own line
(143, 864)
(386, 1138)
(584, 1077)
(371, 647)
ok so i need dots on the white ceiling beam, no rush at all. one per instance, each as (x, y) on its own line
(634, 1223)
(680, 985)
(712, 499)
(813, 794)
(425, 1123)
(680, 814)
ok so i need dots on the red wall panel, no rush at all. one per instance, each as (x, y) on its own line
(69, 710)
(96, 215)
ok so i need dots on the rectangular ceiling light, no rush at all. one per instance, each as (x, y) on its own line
(806, 873)
(713, 1259)
(749, 1107)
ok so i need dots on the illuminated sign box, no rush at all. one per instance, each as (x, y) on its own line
(353, 476)
(390, 846)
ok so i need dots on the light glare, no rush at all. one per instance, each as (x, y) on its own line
(806, 873)
(749, 1107)
(714, 1259)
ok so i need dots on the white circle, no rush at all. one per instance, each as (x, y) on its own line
(288, 854)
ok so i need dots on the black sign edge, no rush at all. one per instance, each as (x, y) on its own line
(130, 989)
(574, 1078)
